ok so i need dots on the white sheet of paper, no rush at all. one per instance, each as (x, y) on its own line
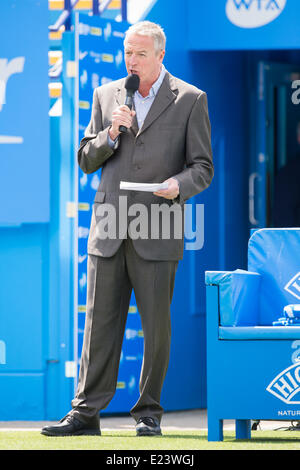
(149, 187)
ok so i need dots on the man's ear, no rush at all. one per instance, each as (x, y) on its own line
(162, 55)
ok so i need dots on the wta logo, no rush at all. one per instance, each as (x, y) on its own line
(253, 13)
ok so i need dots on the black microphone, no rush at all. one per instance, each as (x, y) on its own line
(132, 84)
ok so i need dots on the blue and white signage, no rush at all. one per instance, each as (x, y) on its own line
(101, 60)
(244, 24)
(286, 385)
(253, 13)
(24, 107)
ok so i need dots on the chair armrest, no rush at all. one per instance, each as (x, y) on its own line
(238, 296)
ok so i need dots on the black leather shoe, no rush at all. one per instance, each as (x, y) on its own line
(148, 426)
(71, 426)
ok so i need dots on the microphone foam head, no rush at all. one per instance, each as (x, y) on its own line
(132, 82)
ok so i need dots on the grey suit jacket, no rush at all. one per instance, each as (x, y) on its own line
(174, 141)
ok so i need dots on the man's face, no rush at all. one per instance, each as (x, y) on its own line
(142, 59)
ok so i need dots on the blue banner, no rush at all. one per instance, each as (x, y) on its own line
(24, 107)
(101, 60)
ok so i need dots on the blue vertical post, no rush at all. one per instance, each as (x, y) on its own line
(96, 7)
(124, 10)
(214, 422)
(66, 228)
(261, 151)
(67, 6)
(243, 429)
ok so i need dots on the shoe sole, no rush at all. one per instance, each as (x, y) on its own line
(149, 433)
(85, 432)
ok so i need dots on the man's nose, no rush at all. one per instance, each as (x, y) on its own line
(133, 60)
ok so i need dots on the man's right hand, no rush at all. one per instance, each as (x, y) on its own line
(121, 116)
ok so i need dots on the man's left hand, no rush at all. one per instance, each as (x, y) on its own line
(172, 191)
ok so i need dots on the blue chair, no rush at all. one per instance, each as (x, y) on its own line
(253, 366)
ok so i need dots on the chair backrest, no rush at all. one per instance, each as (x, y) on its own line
(275, 254)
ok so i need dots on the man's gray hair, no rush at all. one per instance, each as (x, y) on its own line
(147, 28)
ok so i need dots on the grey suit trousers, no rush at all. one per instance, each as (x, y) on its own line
(109, 286)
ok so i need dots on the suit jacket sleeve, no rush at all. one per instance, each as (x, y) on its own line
(198, 172)
(94, 149)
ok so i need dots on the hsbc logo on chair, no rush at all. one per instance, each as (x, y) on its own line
(253, 13)
(286, 385)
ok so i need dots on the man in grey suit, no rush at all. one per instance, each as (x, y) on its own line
(167, 140)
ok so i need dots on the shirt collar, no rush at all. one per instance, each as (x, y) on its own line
(156, 85)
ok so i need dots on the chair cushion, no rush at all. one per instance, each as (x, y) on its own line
(259, 332)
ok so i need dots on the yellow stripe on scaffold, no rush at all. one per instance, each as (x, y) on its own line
(55, 90)
(81, 5)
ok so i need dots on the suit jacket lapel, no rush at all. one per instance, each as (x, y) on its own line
(166, 95)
